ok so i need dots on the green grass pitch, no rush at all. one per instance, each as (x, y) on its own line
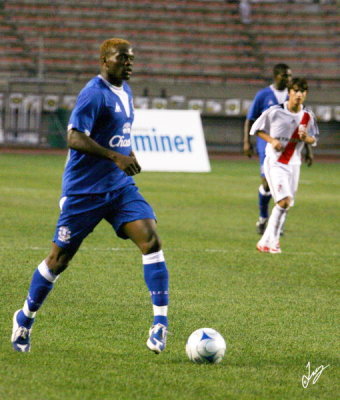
(276, 312)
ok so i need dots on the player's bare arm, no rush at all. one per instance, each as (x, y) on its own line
(79, 141)
(247, 145)
(309, 156)
(276, 144)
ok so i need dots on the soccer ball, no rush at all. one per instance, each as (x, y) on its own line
(205, 345)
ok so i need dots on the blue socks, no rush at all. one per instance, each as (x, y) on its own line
(264, 199)
(157, 280)
(41, 284)
(155, 274)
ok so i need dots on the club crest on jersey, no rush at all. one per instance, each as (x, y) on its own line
(122, 140)
(64, 234)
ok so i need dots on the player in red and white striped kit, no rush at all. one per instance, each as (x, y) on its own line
(285, 128)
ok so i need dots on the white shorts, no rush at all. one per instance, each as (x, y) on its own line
(283, 180)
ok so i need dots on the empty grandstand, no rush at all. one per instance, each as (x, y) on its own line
(189, 53)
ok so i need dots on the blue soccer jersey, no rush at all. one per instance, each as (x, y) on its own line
(105, 113)
(264, 99)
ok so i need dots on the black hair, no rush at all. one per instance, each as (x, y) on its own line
(280, 68)
(299, 83)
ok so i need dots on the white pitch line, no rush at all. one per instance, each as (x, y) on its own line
(169, 250)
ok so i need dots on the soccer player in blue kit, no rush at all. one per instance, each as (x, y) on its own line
(98, 184)
(271, 95)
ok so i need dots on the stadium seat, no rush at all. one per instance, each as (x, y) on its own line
(191, 41)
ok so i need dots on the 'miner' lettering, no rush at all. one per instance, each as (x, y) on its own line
(163, 143)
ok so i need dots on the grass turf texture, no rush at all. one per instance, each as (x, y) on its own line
(276, 312)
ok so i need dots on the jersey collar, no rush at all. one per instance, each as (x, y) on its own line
(107, 83)
(285, 106)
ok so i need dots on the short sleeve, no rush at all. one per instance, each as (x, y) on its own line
(255, 109)
(86, 110)
(261, 124)
(312, 128)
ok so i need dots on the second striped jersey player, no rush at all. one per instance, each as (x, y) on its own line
(286, 128)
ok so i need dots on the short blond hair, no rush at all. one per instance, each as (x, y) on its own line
(106, 47)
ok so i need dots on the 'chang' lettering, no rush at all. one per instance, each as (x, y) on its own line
(119, 141)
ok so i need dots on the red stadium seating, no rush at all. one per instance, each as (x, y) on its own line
(177, 41)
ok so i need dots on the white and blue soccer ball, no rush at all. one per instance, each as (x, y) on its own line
(205, 345)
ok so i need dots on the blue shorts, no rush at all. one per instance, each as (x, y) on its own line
(261, 152)
(80, 214)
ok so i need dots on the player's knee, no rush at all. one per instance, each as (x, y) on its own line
(151, 245)
(56, 266)
(285, 203)
(57, 263)
(265, 185)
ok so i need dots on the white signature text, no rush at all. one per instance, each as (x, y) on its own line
(315, 375)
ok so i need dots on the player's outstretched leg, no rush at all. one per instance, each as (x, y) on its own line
(264, 199)
(42, 283)
(157, 280)
(269, 242)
